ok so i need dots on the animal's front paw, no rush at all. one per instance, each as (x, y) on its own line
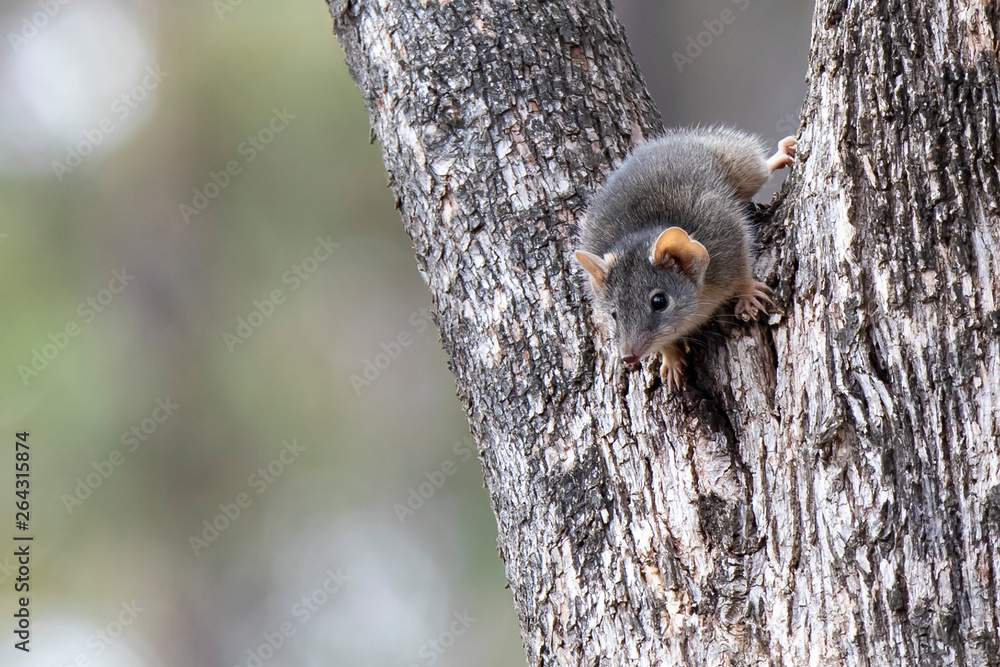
(753, 300)
(672, 367)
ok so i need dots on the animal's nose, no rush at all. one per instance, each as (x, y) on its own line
(630, 358)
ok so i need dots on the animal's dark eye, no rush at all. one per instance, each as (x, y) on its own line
(658, 301)
(614, 315)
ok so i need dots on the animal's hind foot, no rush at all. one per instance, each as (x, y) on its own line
(785, 157)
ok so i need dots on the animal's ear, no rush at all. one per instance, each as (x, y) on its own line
(595, 265)
(674, 246)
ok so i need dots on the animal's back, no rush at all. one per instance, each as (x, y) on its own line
(686, 178)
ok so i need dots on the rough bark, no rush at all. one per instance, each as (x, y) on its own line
(826, 491)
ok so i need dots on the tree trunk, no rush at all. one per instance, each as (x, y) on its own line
(826, 490)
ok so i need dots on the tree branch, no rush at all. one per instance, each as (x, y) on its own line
(822, 491)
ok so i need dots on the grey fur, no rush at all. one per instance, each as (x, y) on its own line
(699, 180)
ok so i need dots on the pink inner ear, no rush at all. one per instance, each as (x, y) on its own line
(676, 247)
(594, 265)
(672, 244)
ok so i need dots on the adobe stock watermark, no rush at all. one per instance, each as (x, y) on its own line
(223, 7)
(259, 481)
(106, 637)
(419, 321)
(264, 308)
(34, 23)
(88, 310)
(787, 125)
(6, 569)
(248, 150)
(130, 441)
(432, 650)
(121, 108)
(302, 611)
(697, 44)
(418, 496)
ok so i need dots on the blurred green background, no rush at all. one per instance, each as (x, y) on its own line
(210, 485)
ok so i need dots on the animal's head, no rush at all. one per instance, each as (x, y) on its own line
(650, 292)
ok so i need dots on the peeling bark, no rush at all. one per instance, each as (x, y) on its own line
(826, 490)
